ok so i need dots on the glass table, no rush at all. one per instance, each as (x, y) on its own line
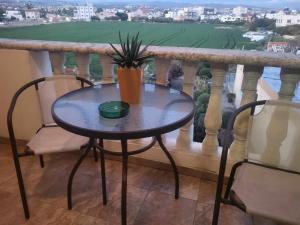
(161, 110)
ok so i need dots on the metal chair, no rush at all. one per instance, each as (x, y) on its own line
(266, 183)
(49, 138)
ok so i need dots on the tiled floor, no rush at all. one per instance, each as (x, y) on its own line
(150, 195)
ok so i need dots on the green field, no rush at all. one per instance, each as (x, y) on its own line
(163, 34)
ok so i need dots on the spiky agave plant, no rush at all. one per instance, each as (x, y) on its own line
(131, 54)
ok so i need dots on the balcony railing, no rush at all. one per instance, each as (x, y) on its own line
(198, 156)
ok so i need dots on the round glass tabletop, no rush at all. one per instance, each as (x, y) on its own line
(160, 110)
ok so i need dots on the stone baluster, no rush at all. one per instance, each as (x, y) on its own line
(107, 69)
(279, 118)
(161, 70)
(249, 90)
(289, 80)
(83, 64)
(57, 61)
(213, 116)
(189, 71)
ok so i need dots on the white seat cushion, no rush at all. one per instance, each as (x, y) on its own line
(270, 193)
(55, 139)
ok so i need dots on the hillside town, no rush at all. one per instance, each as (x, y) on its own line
(88, 12)
(266, 21)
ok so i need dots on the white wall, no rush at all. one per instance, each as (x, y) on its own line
(18, 67)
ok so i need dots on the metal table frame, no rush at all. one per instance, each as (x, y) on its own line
(124, 154)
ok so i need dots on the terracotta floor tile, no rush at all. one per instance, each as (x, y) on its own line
(165, 182)
(162, 209)
(138, 176)
(11, 212)
(207, 191)
(91, 203)
(150, 194)
(229, 215)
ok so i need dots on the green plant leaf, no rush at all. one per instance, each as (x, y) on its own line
(131, 54)
(117, 51)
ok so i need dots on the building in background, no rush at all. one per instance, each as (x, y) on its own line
(84, 12)
(283, 20)
(238, 11)
(32, 14)
(278, 46)
(11, 14)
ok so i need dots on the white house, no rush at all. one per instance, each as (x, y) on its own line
(84, 12)
(256, 36)
(178, 15)
(228, 18)
(14, 14)
(32, 14)
(199, 10)
(277, 46)
(283, 20)
(238, 11)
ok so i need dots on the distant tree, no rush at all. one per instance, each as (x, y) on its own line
(2, 12)
(58, 12)
(289, 30)
(162, 20)
(263, 23)
(12, 18)
(43, 13)
(122, 16)
(68, 12)
(112, 18)
(95, 18)
(166, 12)
(64, 11)
(22, 11)
(29, 5)
(139, 18)
(99, 10)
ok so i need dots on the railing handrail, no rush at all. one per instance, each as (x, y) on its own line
(226, 56)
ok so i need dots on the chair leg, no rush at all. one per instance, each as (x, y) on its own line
(42, 164)
(216, 212)
(231, 178)
(21, 186)
(103, 176)
(95, 154)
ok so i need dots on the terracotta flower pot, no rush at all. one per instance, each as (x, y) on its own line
(130, 84)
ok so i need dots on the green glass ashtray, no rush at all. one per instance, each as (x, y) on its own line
(113, 109)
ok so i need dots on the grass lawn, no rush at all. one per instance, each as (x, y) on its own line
(163, 34)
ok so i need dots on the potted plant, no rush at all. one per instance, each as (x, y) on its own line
(130, 59)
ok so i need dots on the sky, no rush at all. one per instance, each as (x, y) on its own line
(259, 3)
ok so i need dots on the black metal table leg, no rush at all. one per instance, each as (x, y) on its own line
(165, 150)
(95, 154)
(42, 164)
(103, 177)
(75, 168)
(124, 181)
